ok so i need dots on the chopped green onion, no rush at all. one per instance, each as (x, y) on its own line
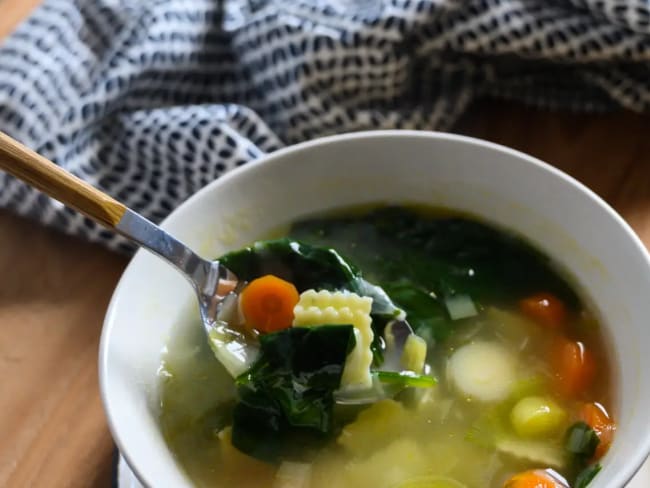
(460, 307)
(586, 475)
(406, 378)
(581, 440)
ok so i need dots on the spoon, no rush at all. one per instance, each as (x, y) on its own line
(216, 287)
(211, 281)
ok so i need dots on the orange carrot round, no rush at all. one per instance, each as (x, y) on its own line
(267, 303)
(574, 365)
(532, 479)
(545, 309)
(596, 417)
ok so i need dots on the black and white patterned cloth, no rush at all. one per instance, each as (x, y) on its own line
(151, 100)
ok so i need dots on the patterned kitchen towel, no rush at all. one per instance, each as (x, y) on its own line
(150, 101)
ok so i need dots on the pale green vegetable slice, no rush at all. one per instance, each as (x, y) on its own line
(538, 452)
(483, 371)
(230, 346)
(232, 349)
(460, 307)
(536, 416)
(293, 475)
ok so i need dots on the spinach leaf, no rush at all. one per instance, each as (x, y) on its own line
(586, 476)
(382, 304)
(303, 265)
(306, 266)
(320, 268)
(443, 254)
(419, 259)
(425, 314)
(581, 442)
(286, 398)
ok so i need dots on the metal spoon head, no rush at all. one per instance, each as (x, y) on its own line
(217, 292)
(218, 307)
(213, 286)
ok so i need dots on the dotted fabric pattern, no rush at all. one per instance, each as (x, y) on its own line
(150, 101)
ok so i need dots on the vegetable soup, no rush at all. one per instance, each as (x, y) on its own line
(391, 347)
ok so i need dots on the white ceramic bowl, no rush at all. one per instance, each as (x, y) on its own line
(515, 191)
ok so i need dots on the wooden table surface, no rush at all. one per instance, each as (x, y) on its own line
(54, 289)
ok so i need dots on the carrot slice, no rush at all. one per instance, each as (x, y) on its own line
(574, 365)
(267, 303)
(596, 417)
(532, 479)
(545, 309)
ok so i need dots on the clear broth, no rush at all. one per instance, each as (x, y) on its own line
(443, 435)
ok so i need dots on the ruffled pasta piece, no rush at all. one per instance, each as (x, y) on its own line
(340, 308)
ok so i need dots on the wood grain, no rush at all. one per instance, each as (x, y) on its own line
(41, 173)
(54, 289)
(53, 295)
(14, 11)
(610, 153)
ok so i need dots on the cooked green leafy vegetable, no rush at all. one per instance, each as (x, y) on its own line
(320, 268)
(586, 475)
(425, 313)
(444, 255)
(581, 440)
(303, 265)
(306, 266)
(286, 398)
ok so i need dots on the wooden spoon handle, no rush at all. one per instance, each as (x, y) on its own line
(41, 173)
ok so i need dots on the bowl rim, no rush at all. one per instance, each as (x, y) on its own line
(627, 471)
